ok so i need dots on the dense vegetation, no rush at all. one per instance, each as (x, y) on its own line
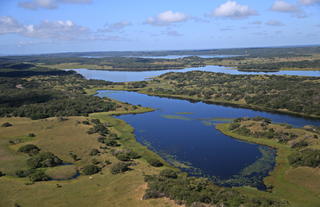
(295, 94)
(250, 59)
(45, 96)
(193, 191)
(276, 66)
(298, 139)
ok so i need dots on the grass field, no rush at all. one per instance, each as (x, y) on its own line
(62, 137)
(300, 186)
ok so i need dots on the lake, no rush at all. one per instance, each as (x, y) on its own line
(184, 133)
(125, 76)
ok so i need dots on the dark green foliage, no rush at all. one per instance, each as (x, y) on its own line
(120, 167)
(49, 96)
(191, 190)
(112, 143)
(307, 157)
(38, 175)
(154, 162)
(90, 169)
(168, 173)
(291, 93)
(74, 156)
(86, 122)
(98, 128)
(300, 144)
(30, 149)
(31, 135)
(44, 159)
(24, 173)
(94, 152)
(234, 126)
(6, 124)
(125, 155)
(2, 174)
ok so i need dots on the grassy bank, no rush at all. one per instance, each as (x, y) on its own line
(288, 183)
(62, 137)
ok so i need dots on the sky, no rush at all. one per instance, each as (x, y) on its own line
(50, 26)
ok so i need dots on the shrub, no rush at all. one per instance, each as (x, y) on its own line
(38, 176)
(86, 122)
(234, 126)
(24, 173)
(2, 174)
(125, 155)
(300, 144)
(30, 149)
(112, 143)
(44, 159)
(94, 152)
(154, 162)
(6, 124)
(307, 157)
(120, 167)
(90, 169)
(31, 135)
(168, 173)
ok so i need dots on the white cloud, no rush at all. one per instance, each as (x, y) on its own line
(9, 25)
(275, 23)
(232, 9)
(116, 27)
(166, 18)
(309, 2)
(48, 4)
(282, 6)
(61, 30)
(56, 30)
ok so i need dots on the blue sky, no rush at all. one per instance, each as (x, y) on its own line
(44, 26)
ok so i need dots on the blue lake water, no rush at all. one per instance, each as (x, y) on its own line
(167, 56)
(125, 76)
(192, 138)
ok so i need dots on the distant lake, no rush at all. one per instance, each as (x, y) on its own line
(186, 132)
(166, 56)
(125, 76)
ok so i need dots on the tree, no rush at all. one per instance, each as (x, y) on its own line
(120, 167)
(30, 149)
(44, 159)
(90, 169)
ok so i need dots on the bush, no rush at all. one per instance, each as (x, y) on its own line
(234, 126)
(125, 155)
(168, 173)
(31, 135)
(90, 169)
(44, 159)
(30, 149)
(38, 176)
(2, 174)
(120, 167)
(94, 152)
(300, 144)
(6, 124)
(154, 162)
(307, 157)
(24, 173)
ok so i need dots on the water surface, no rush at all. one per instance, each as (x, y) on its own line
(125, 76)
(186, 132)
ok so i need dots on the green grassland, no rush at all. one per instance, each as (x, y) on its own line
(299, 186)
(62, 137)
